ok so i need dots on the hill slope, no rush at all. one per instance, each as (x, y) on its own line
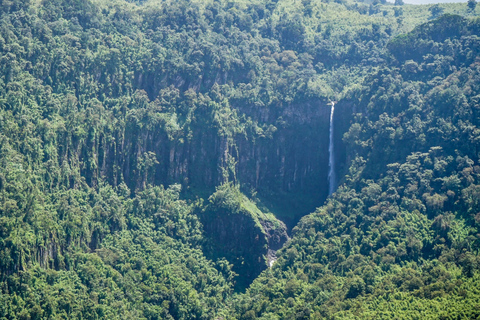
(400, 238)
(143, 143)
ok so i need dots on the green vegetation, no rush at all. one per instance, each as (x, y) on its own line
(149, 150)
(241, 233)
(400, 238)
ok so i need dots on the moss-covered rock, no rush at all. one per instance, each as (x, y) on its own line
(242, 233)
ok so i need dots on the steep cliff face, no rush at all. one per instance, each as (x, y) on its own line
(289, 160)
(241, 233)
(281, 150)
(345, 111)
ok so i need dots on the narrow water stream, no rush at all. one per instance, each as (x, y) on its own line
(331, 155)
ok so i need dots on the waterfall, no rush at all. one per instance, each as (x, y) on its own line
(331, 156)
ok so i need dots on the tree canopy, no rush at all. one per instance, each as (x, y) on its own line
(155, 154)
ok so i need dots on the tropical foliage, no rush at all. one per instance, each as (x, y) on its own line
(149, 150)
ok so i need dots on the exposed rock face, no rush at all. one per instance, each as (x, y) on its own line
(291, 158)
(241, 233)
(279, 150)
(276, 233)
(344, 115)
(276, 237)
(283, 151)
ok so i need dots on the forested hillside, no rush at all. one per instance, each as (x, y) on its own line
(156, 157)
(400, 238)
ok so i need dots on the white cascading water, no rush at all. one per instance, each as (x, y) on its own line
(331, 157)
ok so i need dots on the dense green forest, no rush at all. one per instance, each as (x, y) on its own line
(169, 159)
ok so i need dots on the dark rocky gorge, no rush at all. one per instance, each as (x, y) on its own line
(281, 155)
